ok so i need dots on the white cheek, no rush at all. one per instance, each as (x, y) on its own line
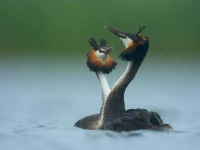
(126, 41)
(101, 56)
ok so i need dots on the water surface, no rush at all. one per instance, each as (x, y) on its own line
(41, 99)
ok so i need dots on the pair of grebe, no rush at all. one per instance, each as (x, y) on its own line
(113, 115)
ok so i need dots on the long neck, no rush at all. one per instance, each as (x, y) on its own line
(128, 75)
(115, 101)
(104, 86)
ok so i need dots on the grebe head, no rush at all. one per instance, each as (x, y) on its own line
(136, 44)
(98, 58)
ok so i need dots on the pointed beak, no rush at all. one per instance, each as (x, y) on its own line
(106, 50)
(115, 31)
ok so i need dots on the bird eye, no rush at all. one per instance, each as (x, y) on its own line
(102, 49)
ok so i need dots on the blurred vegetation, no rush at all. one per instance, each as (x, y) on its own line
(62, 27)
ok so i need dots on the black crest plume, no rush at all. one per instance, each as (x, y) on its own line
(140, 29)
(93, 44)
(102, 42)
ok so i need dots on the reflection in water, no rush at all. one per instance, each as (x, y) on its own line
(39, 103)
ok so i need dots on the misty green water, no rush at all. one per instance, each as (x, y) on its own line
(45, 85)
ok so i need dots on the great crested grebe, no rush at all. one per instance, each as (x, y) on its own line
(98, 61)
(114, 115)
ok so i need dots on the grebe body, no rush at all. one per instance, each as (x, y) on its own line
(115, 116)
(98, 61)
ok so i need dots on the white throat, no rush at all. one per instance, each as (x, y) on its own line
(104, 85)
(126, 41)
(103, 57)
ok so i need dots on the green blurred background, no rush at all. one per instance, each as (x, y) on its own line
(62, 27)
